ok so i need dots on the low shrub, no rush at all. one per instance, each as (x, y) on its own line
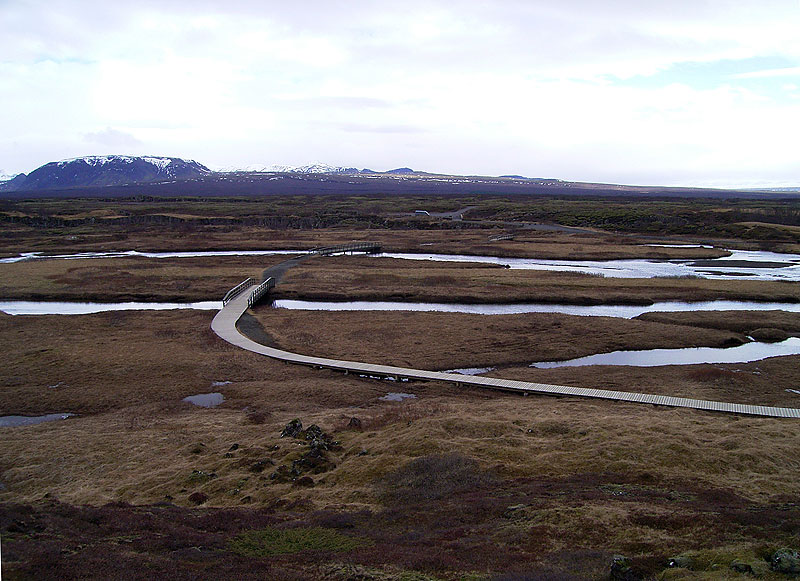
(433, 477)
(273, 541)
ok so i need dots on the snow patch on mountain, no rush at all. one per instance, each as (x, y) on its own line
(313, 168)
(162, 163)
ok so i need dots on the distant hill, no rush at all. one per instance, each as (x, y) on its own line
(105, 170)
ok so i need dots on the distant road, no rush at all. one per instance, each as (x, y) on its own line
(458, 216)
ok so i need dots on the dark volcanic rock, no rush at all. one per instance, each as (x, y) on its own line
(292, 429)
(786, 561)
(621, 570)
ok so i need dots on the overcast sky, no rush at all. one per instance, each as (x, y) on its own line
(624, 91)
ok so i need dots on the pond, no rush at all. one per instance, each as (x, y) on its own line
(16, 421)
(397, 396)
(746, 353)
(206, 400)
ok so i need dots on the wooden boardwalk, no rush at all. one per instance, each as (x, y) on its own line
(224, 325)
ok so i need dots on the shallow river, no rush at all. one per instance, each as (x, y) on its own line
(745, 264)
(70, 308)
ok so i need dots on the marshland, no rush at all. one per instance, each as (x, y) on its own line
(455, 483)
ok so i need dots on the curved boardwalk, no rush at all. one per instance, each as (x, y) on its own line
(224, 325)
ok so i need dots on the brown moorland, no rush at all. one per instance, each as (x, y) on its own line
(454, 484)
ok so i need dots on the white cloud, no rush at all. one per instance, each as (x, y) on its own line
(770, 73)
(112, 138)
(512, 86)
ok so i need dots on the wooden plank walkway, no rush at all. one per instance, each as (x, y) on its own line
(224, 325)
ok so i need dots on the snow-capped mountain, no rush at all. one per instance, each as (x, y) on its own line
(106, 170)
(313, 168)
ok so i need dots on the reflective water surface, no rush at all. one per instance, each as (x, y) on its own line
(750, 264)
(206, 400)
(470, 370)
(134, 253)
(69, 308)
(623, 311)
(693, 355)
(397, 396)
(16, 421)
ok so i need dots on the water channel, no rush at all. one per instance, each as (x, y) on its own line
(741, 264)
(622, 311)
(26, 256)
(74, 308)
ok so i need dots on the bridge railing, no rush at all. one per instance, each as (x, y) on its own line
(236, 291)
(260, 291)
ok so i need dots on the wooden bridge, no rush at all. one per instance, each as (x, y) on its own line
(224, 325)
(367, 247)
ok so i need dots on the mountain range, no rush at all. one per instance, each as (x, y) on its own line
(121, 170)
(115, 176)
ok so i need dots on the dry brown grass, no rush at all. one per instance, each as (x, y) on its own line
(116, 457)
(122, 359)
(527, 244)
(119, 279)
(569, 482)
(736, 321)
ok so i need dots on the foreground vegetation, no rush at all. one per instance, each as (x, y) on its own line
(454, 483)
